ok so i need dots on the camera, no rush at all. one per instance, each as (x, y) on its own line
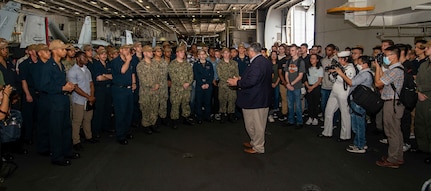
(334, 64)
(379, 58)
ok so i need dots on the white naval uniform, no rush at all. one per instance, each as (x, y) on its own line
(338, 99)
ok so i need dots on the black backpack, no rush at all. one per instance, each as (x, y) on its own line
(408, 96)
(367, 98)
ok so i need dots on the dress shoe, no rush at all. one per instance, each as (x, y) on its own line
(385, 163)
(298, 126)
(323, 136)
(45, 154)
(92, 141)
(28, 142)
(62, 163)
(73, 156)
(342, 140)
(78, 146)
(399, 162)
(155, 128)
(123, 142)
(129, 136)
(247, 144)
(250, 151)
(97, 136)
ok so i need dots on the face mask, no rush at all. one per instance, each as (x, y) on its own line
(386, 60)
(359, 67)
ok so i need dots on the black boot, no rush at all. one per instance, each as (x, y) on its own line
(223, 117)
(188, 121)
(232, 117)
(148, 130)
(164, 122)
(155, 128)
(175, 123)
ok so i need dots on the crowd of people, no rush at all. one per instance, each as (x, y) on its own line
(63, 89)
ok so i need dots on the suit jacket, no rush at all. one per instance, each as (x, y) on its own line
(254, 88)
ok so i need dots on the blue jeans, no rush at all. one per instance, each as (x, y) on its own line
(358, 124)
(294, 105)
(276, 97)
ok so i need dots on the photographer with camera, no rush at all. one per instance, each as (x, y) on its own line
(358, 114)
(338, 97)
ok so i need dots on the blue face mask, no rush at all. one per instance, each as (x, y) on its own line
(386, 60)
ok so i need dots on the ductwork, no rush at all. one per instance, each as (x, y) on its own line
(388, 12)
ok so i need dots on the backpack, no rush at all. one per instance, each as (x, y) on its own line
(10, 128)
(367, 98)
(408, 96)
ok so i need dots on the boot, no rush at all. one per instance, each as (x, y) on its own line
(188, 121)
(175, 123)
(232, 118)
(148, 130)
(223, 117)
(164, 122)
(155, 128)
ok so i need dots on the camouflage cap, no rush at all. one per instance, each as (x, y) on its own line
(126, 46)
(32, 47)
(158, 48)
(41, 47)
(102, 51)
(137, 44)
(57, 44)
(70, 47)
(181, 48)
(87, 47)
(147, 48)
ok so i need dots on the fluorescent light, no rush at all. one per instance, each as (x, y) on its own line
(147, 7)
(61, 8)
(42, 2)
(157, 15)
(77, 13)
(115, 12)
(122, 16)
(140, 1)
(93, 2)
(105, 8)
(218, 12)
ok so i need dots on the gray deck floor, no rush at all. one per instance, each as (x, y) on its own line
(210, 157)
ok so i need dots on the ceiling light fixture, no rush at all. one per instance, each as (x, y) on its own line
(115, 12)
(218, 12)
(42, 2)
(93, 2)
(61, 8)
(233, 8)
(193, 16)
(77, 13)
(122, 16)
(140, 1)
(157, 15)
(147, 7)
(105, 8)
(220, 15)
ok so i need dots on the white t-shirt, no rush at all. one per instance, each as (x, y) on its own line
(314, 74)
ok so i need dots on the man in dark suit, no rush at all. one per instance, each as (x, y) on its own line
(254, 97)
